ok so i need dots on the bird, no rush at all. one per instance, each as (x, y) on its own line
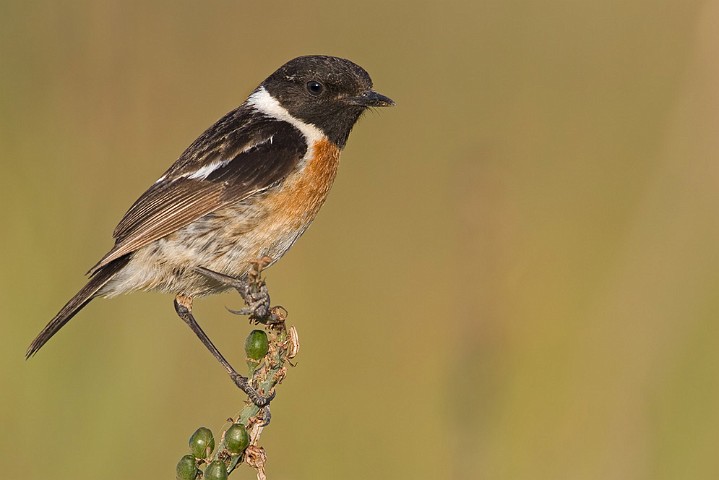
(240, 195)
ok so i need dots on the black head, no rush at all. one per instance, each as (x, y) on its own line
(328, 92)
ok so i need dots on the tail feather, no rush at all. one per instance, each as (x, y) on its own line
(76, 303)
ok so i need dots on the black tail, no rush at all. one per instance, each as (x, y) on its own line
(76, 303)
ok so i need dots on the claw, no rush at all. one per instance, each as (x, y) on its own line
(252, 290)
(242, 311)
(266, 416)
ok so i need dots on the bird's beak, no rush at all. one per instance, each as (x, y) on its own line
(370, 98)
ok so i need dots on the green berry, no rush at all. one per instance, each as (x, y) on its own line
(216, 471)
(257, 345)
(186, 468)
(202, 443)
(236, 439)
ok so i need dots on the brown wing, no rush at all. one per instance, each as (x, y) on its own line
(258, 161)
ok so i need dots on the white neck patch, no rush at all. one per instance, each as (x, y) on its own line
(263, 102)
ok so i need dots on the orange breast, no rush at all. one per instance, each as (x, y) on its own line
(299, 199)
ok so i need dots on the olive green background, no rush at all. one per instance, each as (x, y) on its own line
(515, 276)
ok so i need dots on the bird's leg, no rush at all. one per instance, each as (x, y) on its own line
(253, 291)
(183, 307)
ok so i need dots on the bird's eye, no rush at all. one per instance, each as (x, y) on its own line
(314, 87)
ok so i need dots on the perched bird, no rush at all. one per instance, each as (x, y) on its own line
(244, 191)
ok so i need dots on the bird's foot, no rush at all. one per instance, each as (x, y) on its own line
(256, 398)
(254, 292)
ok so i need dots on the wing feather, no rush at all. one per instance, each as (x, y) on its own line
(246, 163)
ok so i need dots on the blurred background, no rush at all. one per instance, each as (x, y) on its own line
(515, 276)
